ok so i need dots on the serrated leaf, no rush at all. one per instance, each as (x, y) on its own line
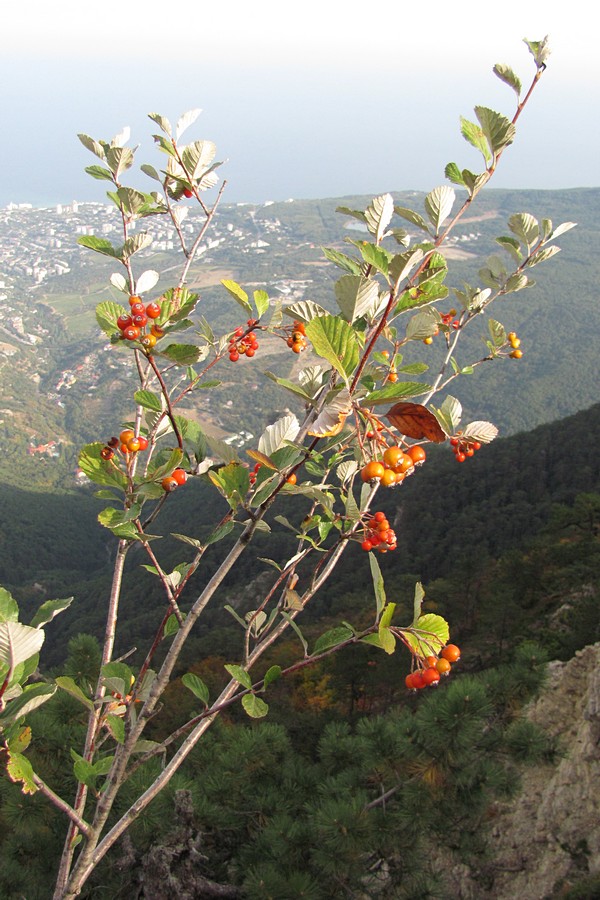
(422, 325)
(116, 726)
(525, 227)
(185, 120)
(540, 51)
(561, 229)
(413, 217)
(171, 626)
(356, 296)
(99, 173)
(506, 74)
(332, 417)
(162, 123)
(238, 294)
(118, 281)
(32, 696)
(233, 481)
(49, 610)
(453, 174)
(19, 769)
(378, 585)
(305, 311)
(9, 609)
(449, 415)
(99, 245)
(429, 635)
(148, 400)
(415, 421)
(182, 354)
(107, 314)
(219, 533)
(277, 434)
(272, 674)
(474, 135)
(240, 675)
(354, 213)
(484, 432)
(335, 340)
(197, 687)
(331, 638)
(136, 243)
(517, 282)
(498, 130)
(21, 741)
(542, 255)
(18, 643)
(378, 215)
(342, 261)
(68, 684)
(438, 205)
(146, 281)
(151, 172)
(387, 640)
(254, 706)
(346, 470)
(394, 392)
(261, 302)
(497, 333)
(418, 602)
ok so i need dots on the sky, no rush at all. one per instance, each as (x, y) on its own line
(307, 99)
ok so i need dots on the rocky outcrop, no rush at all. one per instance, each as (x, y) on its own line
(548, 837)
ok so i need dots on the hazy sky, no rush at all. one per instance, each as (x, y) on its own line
(308, 99)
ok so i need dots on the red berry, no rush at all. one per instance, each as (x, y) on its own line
(143, 443)
(417, 454)
(140, 319)
(169, 484)
(180, 476)
(153, 310)
(124, 322)
(188, 193)
(250, 352)
(367, 546)
(107, 453)
(134, 299)
(291, 479)
(431, 675)
(234, 356)
(113, 442)
(443, 666)
(373, 471)
(460, 457)
(126, 435)
(451, 652)
(137, 308)
(131, 333)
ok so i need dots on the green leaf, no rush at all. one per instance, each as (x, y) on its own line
(254, 706)
(99, 245)
(305, 311)
(542, 255)
(148, 400)
(356, 296)
(238, 294)
(169, 461)
(525, 227)
(288, 618)
(135, 244)
(67, 684)
(288, 386)
(116, 726)
(497, 332)
(18, 642)
(342, 261)
(119, 159)
(171, 626)
(453, 174)
(387, 615)
(92, 145)
(540, 51)
(240, 675)
(395, 392)
(498, 130)
(378, 585)
(475, 136)
(438, 205)
(449, 414)
(107, 314)
(261, 301)
(331, 638)
(219, 533)
(84, 772)
(272, 674)
(377, 257)
(387, 639)
(418, 602)
(182, 354)
(49, 610)
(197, 687)
(19, 769)
(422, 325)
(233, 481)
(413, 217)
(517, 282)
(276, 435)
(334, 340)
(32, 696)
(9, 610)
(429, 635)
(99, 172)
(506, 74)
(378, 215)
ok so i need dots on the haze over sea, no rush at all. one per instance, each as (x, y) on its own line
(309, 100)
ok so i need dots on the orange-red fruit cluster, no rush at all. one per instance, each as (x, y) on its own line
(127, 442)
(174, 480)
(134, 327)
(297, 341)
(515, 343)
(395, 465)
(247, 346)
(378, 534)
(463, 448)
(432, 668)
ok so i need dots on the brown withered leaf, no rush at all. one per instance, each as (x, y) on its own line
(415, 421)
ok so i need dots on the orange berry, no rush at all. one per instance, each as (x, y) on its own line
(417, 454)
(372, 471)
(451, 653)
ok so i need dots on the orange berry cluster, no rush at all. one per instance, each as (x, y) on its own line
(134, 326)
(432, 668)
(378, 534)
(174, 480)
(297, 340)
(515, 343)
(247, 346)
(395, 465)
(463, 448)
(127, 442)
